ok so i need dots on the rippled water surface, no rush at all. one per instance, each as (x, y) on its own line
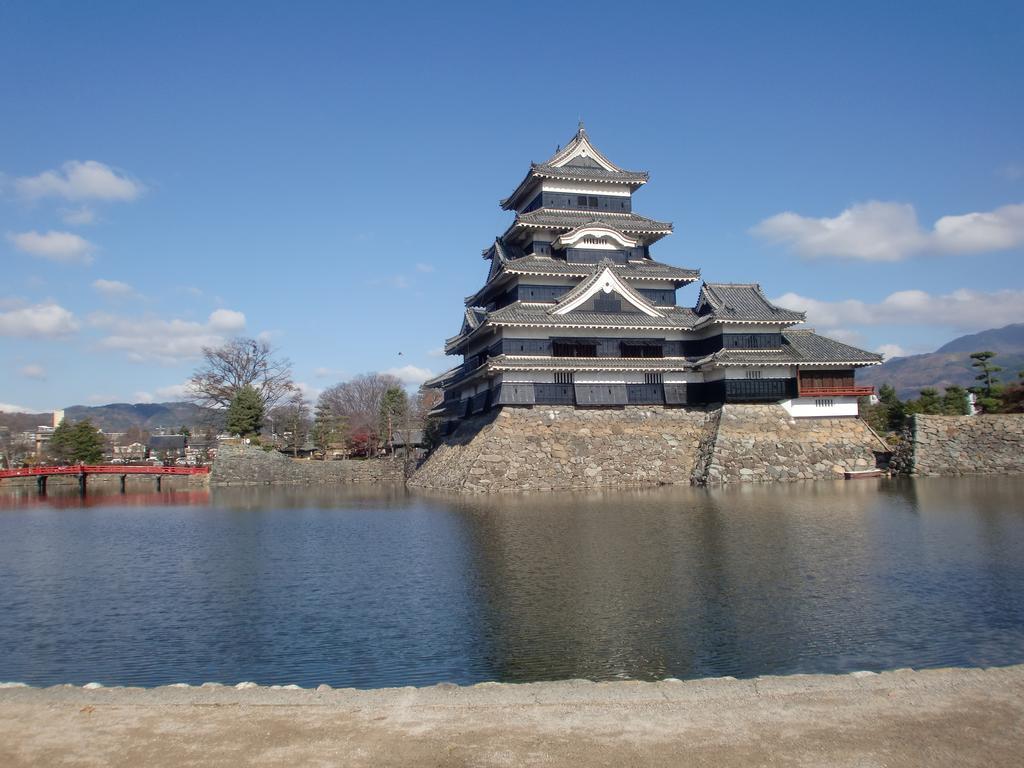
(358, 588)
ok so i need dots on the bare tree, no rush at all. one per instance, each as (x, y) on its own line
(240, 363)
(358, 401)
(292, 420)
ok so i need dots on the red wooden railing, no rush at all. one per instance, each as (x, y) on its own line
(105, 469)
(848, 391)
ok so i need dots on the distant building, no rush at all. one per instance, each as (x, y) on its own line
(409, 442)
(576, 312)
(166, 446)
(130, 452)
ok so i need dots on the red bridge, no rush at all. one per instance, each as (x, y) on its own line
(102, 469)
(82, 471)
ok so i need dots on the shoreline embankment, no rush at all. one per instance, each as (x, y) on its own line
(963, 717)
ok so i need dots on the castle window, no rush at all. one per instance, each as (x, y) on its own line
(574, 349)
(563, 377)
(753, 374)
(635, 349)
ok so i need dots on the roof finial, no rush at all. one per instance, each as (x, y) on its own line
(581, 128)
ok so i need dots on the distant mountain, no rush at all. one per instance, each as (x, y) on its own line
(1008, 340)
(118, 417)
(950, 363)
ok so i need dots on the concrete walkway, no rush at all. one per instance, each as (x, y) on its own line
(950, 717)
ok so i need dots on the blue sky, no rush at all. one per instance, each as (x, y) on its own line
(325, 175)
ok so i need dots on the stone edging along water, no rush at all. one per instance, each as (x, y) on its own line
(917, 679)
(249, 465)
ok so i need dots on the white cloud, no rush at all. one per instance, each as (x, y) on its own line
(1011, 171)
(421, 267)
(410, 375)
(847, 336)
(400, 282)
(76, 180)
(78, 216)
(113, 288)
(170, 393)
(881, 231)
(324, 372)
(46, 320)
(998, 230)
(963, 309)
(889, 351)
(33, 371)
(166, 341)
(436, 352)
(9, 408)
(227, 320)
(308, 391)
(64, 247)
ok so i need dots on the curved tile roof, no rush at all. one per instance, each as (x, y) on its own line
(798, 348)
(738, 302)
(549, 218)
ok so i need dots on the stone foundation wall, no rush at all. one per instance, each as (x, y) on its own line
(962, 445)
(561, 447)
(248, 465)
(552, 448)
(762, 443)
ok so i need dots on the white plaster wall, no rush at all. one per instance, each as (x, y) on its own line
(682, 377)
(805, 407)
(526, 377)
(767, 372)
(582, 188)
(609, 377)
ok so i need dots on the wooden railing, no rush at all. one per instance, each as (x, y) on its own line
(844, 391)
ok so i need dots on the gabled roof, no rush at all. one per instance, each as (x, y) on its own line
(502, 251)
(648, 269)
(443, 378)
(579, 160)
(799, 347)
(604, 280)
(741, 302)
(579, 151)
(472, 319)
(519, 314)
(551, 218)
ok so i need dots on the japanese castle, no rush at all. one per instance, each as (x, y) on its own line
(575, 312)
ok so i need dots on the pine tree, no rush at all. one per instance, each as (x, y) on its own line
(928, 402)
(954, 401)
(328, 428)
(245, 414)
(78, 443)
(988, 391)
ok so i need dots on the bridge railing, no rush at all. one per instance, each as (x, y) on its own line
(102, 469)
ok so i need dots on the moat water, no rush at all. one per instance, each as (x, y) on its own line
(379, 587)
